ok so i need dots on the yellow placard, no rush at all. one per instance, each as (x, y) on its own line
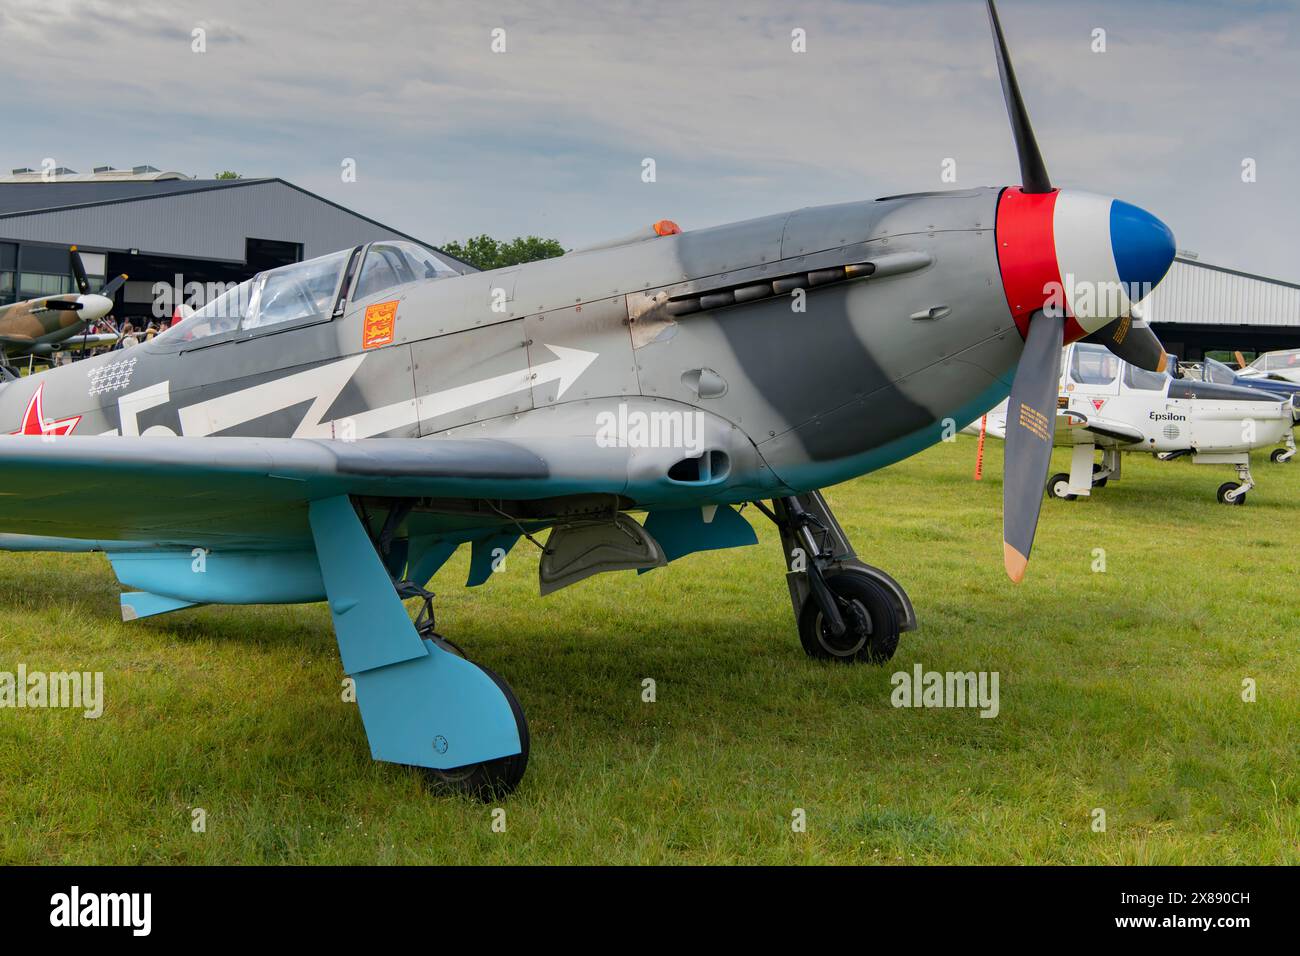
(380, 325)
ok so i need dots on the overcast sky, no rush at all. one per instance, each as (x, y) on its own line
(451, 139)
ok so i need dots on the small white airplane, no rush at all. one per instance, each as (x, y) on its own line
(1109, 404)
(1282, 366)
(1212, 370)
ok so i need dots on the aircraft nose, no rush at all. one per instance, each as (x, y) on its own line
(91, 307)
(1143, 247)
(1091, 256)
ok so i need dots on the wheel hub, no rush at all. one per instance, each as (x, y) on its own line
(857, 630)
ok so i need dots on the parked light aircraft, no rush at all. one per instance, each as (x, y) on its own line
(334, 429)
(1107, 404)
(1211, 370)
(1282, 365)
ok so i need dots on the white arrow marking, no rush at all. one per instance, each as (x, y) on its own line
(567, 367)
(130, 406)
(321, 386)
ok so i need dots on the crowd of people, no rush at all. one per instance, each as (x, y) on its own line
(129, 337)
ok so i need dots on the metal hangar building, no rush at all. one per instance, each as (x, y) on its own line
(1201, 308)
(162, 227)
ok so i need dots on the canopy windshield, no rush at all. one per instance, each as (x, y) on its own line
(391, 264)
(301, 292)
(1284, 361)
(1218, 373)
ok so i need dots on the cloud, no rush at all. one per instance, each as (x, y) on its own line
(452, 139)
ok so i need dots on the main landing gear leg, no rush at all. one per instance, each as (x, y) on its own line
(1281, 456)
(421, 703)
(1111, 466)
(846, 610)
(1234, 493)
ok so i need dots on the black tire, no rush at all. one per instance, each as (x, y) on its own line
(451, 647)
(872, 635)
(492, 779)
(1276, 458)
(1226, 487)
(1062, 480)
(1098, 482)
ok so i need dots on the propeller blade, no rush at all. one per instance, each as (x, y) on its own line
(57, 305)
(79, 271)
(1132, 341)
(1033, 172)
(1241, 359)
(1031, 423)
(110, 288)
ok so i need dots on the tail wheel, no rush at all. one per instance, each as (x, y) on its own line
(1225, 488)
(493, 778)
(1279, 456)
(871, 622)
(1058, 486)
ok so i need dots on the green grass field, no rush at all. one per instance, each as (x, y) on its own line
(1119, 690)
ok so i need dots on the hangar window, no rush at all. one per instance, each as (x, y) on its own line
(36, 284)
(1093, 365)
(390, 264)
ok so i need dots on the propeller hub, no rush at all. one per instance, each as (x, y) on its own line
(1143, 246)
(1090, 258)
(91, 307)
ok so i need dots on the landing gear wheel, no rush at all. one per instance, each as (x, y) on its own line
(450, 646)
(494, 778)
(1280, 456)
(1058, 486)
(1098, 482)
(871, 632)
(1226, 487)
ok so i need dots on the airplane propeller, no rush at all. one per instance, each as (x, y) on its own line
(79, 271)
(91, 305)
(1031, 423)
(1033, 171)
(1028, 451)
(57, 305)
(1131, 340)
(1031, 410)
(83, 283)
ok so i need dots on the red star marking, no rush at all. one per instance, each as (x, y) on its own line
(34, 422)
(1097, 403)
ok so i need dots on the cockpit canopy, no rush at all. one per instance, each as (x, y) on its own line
(390, 264)
(1094, 365)
(1218, 373)
(311, 291)
(1287, 360)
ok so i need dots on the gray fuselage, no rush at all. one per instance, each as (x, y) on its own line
(798, 391)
